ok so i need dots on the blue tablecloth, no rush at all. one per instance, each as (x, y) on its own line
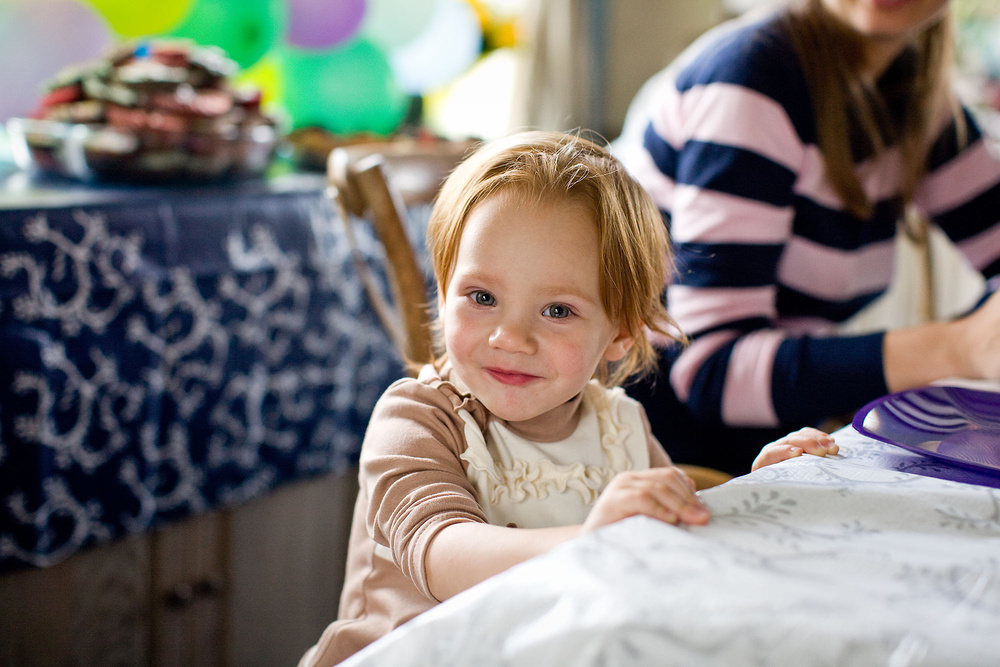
(164, 351)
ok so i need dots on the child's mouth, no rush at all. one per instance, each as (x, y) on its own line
(510, 377)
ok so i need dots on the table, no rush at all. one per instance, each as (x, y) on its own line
(847, 560)
(169, 350)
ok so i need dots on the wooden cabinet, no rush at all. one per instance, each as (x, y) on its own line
(253, 585)
(189, 579)
(92, 609)
(287, 557)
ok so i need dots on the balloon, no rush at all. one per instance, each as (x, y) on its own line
(38, 38)
(132, 19)
(449, 46)
(318, 24)
(265, 76)
(244, 29)
(390, 23)
(345, 90)
(479, 103)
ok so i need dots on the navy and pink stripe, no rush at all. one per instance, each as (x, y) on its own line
(768, 261)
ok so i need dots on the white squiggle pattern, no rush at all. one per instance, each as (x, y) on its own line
(58, 503)
(115, 258)
(85, 398)
(179, 387)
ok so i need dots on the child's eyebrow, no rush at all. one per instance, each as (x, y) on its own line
(568, 290)
(475, 276)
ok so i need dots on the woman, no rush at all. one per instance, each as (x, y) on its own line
(783, 151)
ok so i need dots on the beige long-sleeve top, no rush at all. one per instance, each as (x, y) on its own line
(433, 456)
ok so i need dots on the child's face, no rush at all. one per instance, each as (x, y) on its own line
(523, 322)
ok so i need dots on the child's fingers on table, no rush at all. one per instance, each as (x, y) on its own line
(672, 491)
(812, 441)
(675, 479)
(623, 499)
(778, 452)
(670, 477)
(658, 493)
(655, 502)
(775, 453)
(669, 485)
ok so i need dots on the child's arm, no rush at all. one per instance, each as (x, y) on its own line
(808, 440)
(464, 554)
(422, 506)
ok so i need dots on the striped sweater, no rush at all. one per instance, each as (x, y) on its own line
(768, 261)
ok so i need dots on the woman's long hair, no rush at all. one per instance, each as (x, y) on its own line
(856, 118)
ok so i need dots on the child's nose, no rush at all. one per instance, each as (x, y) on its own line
(513, 334)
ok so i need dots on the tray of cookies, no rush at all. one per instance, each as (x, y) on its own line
(153, 111)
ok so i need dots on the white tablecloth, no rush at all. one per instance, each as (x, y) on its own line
(836, 561)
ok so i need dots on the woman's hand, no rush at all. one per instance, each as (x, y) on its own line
(805, 440)
(664, 493)
(977, 341)
(968, 347)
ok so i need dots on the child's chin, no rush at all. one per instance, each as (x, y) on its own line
(514, 412)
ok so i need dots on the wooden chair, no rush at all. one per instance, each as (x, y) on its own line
(383, 180)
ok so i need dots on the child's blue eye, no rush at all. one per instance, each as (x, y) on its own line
(483, 298)
(557, 311)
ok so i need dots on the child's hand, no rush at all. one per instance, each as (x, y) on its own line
(666, 494)
(808, 440)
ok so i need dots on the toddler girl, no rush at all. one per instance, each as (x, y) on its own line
(549, 262)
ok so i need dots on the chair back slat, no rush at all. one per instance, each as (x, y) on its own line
(383, 180)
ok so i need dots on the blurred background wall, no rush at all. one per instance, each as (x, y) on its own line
(454, 67)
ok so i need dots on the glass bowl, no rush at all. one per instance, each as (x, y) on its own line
(96, 152)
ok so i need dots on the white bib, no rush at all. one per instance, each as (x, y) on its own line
(542, 484)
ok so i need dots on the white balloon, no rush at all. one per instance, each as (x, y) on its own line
(449, 45)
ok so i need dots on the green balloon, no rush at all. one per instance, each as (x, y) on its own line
(244, 29)
(344, 90)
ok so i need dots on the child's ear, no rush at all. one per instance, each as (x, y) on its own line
(618, 347)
